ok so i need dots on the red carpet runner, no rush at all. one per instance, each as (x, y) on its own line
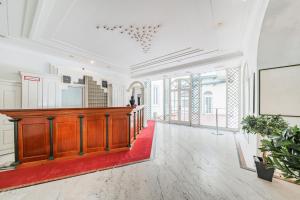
(26, 176)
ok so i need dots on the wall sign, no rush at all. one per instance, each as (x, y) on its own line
(104, 84)
(66, 79)
(32, 78)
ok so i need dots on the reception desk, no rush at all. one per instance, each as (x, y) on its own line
(48, 134)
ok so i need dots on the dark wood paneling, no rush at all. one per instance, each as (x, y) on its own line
(95, 133)
(119, 132)
(33, 139)
(132, 128)
(34, 131)
(66, 136)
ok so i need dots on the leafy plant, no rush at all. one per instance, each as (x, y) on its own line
(264, 125)
(284, 152)
(281, 144)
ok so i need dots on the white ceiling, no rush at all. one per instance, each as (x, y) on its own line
(191, 30)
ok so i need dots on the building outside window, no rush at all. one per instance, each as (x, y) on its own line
(207, 102)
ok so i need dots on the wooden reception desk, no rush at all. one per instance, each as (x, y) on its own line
(47, 134)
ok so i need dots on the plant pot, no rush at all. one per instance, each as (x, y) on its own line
(262, 170)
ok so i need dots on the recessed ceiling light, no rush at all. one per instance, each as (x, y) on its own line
(92, 62)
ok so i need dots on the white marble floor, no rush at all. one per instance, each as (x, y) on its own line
(188, 163)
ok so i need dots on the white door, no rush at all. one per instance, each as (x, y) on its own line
(32, 91)
(180, 100)
(10, 98)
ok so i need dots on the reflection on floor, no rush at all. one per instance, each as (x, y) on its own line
(188, 163)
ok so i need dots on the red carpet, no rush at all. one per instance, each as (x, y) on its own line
(60, 169)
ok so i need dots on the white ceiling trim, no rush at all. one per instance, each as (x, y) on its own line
(29, 14)
(63, 19)
(42, 13)
(67, 47)
(167, 63)
(201, 63)
(4, 29)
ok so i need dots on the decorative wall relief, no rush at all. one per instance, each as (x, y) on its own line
(142, 34)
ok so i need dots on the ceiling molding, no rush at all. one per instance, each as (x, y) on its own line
(162, 56)
(63, 18)
(204, 62)
(42, 13)
(180, 59)
(4, 29)
(164, 60)
(29, 14)
(72, 49)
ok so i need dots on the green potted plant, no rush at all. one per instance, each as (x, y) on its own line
(284, 150)
(267, 127)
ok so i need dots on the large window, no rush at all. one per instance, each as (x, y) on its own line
(200, 98)
(213, 87)
(207, 102)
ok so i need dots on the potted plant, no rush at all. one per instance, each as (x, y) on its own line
(284, 150)
(267, 127)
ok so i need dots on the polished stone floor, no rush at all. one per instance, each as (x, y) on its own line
(187, 163)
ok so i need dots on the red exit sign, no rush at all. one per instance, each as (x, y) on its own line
(32, 78)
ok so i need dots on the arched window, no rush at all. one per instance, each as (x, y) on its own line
(207, 102)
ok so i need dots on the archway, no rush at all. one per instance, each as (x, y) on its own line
(136, 90)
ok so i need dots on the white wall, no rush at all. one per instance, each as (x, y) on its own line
(249, 143)
(15, 59)
(279, 43)
(158, 108)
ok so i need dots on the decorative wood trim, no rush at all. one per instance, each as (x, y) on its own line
(59, 133)
(51, 157)
(81, 134)
(107, 131)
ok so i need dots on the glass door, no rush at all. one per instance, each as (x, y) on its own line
(180, 100)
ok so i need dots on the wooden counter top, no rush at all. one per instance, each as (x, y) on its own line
(42, 134)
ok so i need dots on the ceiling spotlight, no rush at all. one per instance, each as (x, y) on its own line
(92, 61)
